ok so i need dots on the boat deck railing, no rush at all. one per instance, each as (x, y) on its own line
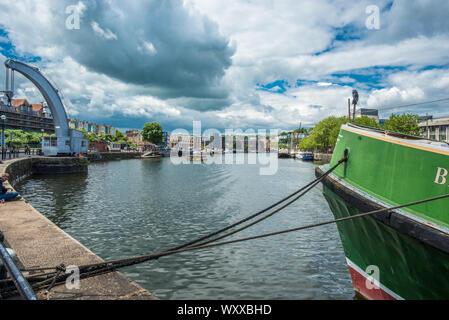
(394, 133)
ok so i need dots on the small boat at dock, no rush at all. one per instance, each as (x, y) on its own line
(152, 154)
(305, 156)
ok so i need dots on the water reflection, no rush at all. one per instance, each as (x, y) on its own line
(61, 198)
(132, 207)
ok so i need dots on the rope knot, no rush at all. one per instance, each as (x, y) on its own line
(61, 268)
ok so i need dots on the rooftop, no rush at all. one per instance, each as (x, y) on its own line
(434, 122)
(18, 102)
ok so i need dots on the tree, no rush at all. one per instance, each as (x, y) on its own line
(367, 121)
(405, 123)
(301, 130)
(326, 132)
(307, 143)
(119, 135)
(152, 132)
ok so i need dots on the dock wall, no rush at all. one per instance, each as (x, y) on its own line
(323, 157)
(109, 156)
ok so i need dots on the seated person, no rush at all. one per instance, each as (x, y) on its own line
(4, 194)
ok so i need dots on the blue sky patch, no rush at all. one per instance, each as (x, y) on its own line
(8, 50)
(278, 86)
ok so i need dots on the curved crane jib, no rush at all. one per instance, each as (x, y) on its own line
(49, 93)
(69, 141)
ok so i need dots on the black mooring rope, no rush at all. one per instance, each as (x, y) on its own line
(112, 265)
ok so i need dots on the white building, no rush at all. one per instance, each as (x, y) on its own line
(436, 129)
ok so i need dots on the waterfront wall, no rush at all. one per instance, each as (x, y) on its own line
(109, 156)
(21, 168)
(322, 157)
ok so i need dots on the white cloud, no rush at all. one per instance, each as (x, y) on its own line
(203, 59)
(147, 47)
(107, 34)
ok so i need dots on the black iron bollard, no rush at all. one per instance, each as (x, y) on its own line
(3, 272)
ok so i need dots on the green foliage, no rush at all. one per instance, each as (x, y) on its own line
(91, 136)
(367, 121)
(152, 132)
(21, 138)
(119, 136)
(301, 130)
(282, 146)
(325, 133)
(307, 143)
(405, 123)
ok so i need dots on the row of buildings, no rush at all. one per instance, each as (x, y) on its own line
(92, 127)
(22, 115)
(219, 142)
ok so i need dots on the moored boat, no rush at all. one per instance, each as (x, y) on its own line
(306, 156)
(152, 154)
(402, 254)
(198, 155)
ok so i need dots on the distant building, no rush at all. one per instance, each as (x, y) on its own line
(436, 129)
(92, 127)
(22, 115)
(165, 138)
(145, 146)
(371, 113)
(98, 146)
(112, 131)
(134, 136)
(292, 139)
(218, 142)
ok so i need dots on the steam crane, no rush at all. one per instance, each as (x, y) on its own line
(67, 141)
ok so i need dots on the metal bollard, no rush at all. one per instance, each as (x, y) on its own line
(24, 288)
(3, 271)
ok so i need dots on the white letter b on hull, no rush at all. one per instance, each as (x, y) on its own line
(441, 176)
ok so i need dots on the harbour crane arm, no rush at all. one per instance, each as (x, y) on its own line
(48, 91)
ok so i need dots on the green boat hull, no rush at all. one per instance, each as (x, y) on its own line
(403, 254)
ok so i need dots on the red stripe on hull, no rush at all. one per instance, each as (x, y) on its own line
(359, 282)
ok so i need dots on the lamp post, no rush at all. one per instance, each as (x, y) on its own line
(42, 141)
(3, 117)
(355, 99)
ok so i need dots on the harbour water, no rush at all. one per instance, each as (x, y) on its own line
(133, 207)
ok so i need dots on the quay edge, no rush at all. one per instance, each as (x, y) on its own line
(38, 242)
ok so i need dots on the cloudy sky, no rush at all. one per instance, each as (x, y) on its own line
(230, 64)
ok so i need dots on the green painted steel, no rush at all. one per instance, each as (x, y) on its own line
(395, 174)
(408, 267)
